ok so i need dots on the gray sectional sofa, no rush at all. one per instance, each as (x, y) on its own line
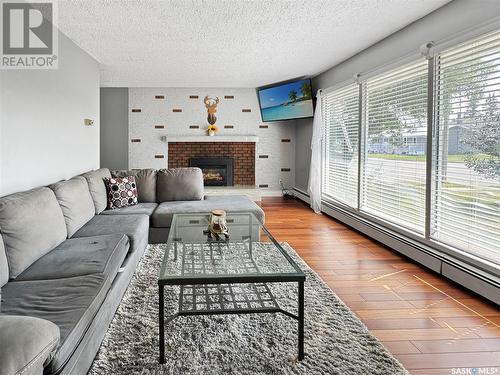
(66, 261)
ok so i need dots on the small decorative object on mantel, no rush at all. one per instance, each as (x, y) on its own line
(212, 129)
(217, 225)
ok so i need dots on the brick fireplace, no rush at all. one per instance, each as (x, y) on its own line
(242, 154)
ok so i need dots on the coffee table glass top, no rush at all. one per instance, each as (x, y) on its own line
(250, 253)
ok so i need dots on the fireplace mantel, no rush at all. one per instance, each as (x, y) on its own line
(215, 138)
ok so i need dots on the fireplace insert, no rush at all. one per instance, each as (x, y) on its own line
(216, 171)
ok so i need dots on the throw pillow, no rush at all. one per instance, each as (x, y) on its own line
(145, 180)
(122, 192)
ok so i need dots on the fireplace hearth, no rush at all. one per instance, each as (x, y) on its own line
(216, 171)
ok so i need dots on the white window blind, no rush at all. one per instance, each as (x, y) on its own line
(341, 139)
(466, 161)
(394, 150)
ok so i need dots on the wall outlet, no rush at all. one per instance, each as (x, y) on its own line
(88, 122)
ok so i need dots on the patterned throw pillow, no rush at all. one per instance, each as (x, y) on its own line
(122, 192)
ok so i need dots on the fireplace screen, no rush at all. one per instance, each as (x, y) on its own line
(216, 171)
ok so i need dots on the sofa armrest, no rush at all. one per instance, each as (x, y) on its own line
(28, 344)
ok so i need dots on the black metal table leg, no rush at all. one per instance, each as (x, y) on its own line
(301, 320)
(162, 324)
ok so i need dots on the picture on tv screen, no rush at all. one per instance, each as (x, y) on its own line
(286, 101)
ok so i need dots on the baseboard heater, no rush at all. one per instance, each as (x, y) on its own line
(467, 275)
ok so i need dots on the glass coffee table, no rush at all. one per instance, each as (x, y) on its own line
(226, 276)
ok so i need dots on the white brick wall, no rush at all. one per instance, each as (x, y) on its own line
(229, 112)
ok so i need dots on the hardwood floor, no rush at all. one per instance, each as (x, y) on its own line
(429, 323)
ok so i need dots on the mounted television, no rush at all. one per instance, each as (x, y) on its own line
(286, 101)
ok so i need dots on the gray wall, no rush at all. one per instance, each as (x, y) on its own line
(114, 127)
(43, 138)
(440, 24)
(303, 135)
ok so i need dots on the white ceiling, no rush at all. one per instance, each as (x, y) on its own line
(224, 43)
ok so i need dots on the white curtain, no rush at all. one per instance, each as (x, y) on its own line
(314, 186)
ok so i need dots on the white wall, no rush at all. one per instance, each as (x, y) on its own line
(229, 112)
(443, 23)
(42, 135)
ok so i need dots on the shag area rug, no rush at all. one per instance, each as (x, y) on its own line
(336, 342)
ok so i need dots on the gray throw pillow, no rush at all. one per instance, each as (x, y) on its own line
(76, 203)
(95, 180)
(179, 184)
(32, 224)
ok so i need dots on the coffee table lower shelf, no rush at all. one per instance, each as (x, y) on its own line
(228, 298)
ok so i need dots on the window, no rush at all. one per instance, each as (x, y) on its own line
(394, 150)
(341, 138)
(376, 161)
(466, 162)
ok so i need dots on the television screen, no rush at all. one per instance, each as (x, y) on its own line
(286, 101)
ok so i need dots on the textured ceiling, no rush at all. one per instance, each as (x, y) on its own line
(222, 43)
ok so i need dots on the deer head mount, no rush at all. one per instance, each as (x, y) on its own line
(211, 105)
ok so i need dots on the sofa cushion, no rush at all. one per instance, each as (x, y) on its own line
(4, 266)
(27, 344)
(163, 215)
(95, 180)
(32, 224)
(179, 184)
(145, 180)
(70, 303)
(141, 209)
(80, 256)
(76, 202)
(136, 227)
